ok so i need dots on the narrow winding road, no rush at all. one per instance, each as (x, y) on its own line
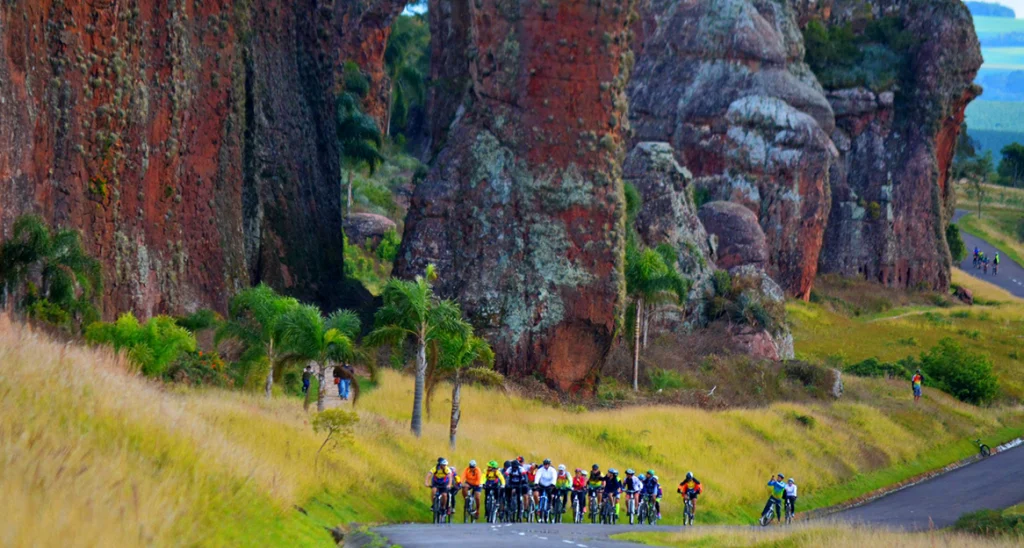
(1011, 274)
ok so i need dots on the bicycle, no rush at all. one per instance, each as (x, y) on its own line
(687, 511)
(491, 506)
(631, 509)
(985, 450)
(592, 504)
(542, 509)
(469, 509)
(558, 508)
(439, 509)
(608, 514)
(768, 515)
(577, 508)
(648, 510)
(514, 506)
(789, 510)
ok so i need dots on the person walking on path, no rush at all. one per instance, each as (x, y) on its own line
(307, 375)
(346, 380)
(916, 383)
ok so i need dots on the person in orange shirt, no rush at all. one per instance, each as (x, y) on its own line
(472, 482)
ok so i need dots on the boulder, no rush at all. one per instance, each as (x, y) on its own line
(740, 240)
(367, 229)
(965, 295)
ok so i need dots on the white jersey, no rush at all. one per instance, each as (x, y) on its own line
(790, 489)
(632, 483)
(545, 477)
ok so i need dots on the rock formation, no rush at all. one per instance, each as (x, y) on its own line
(522, 211)
(890, 197)
(192, 142)
(367, 228)
(739, 237)
(724, 82)
(365, 26)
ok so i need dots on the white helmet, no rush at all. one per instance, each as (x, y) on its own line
(561, 468)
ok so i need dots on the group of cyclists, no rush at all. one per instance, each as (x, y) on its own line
(518, 491)
(981, 261)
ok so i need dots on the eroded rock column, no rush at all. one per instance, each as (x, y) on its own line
(522, 211)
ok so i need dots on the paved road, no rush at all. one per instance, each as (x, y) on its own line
(996, 482)
(513, 535)
(1011, 274)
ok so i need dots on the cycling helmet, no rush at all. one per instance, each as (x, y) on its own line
(595, 467)
(561, 468)
(547, 461)
(508, 463)
(579, 470)
(613, 471)
(520, 459)
(630, 471)
(781, 475)
(655, 478)
(472, 464)
(650, 472)
(493, 464)
(515, 465)
(791, 480)
(442, 461)
(689, 475)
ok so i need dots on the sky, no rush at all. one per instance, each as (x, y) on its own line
(1015, 5)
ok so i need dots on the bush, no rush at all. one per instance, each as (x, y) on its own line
(739, 300)
(990, 523)
(199, 369)
(872, 367)
(956, 244)
(152, 346)
(387, 249)
(201, 319)
(962, 373)
(355, 81)
(876, 58)
(666, 379)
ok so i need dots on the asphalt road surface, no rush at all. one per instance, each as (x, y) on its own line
(996, 482)
(1011, 274)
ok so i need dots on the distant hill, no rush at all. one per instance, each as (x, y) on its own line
(988, 9)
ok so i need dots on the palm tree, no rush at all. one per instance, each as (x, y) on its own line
(254, 317)
(359, 139)
(49, 273)
(462, 357)
(306, 336)
(650, 277)
(407, 62)
(412, 311)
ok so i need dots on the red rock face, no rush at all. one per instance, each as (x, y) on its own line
(725, 84)
(365, 29)
(192, 142)
(890, 195)
(523, 209)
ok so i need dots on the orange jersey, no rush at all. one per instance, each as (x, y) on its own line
(473, 476)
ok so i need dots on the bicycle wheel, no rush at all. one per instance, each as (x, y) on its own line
(766, 518)
(985, 451)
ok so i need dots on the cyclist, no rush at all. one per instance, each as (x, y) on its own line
(563, 486)
(976, 255)
(995, 264)
(455, 488)
(579, 489)
(690, 488)
(790, 495)
(544, 480)
(531, 477)
(473, 483)
(632, 486)
(612, 488)
(775, 498)
(652, 489)
(439, 479)
(516, 483)
(984, 265)
(494, 481)
(916, 383)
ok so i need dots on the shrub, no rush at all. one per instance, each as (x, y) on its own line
(666, 379)
(956, 244)
(355, 81)
(740, 300)
(965, 374)
(152, 346)
(387, 249)
(990, 523)
(199, 369)
(872, 367)
(201, 319)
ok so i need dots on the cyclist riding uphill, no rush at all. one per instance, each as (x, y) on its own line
(790, 495)
(473, 482)
(439, 478)
(579, 488)
(653, 489)
(515, 481)
(778, 490)
(632, 486)
(690, 488)
(563, 486)
(612, 487)
(544, 479)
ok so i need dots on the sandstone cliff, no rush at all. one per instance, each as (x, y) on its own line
(522, 211)
(890, 197)
(724, 82)
(192, 142)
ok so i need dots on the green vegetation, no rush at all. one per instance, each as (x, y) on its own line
(151, 346)
(359, 138)
(309, 337)
(876, 58)
(48, 275)
(739, 300)
(407, 59)
(991, 523)
(956, 244)
(995, 124)
(254, 314)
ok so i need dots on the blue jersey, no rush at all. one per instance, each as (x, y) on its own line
(778, 488)
(650, 486)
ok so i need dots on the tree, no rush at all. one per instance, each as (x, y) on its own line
(49, 275)
(152, 346)
(336, 423)
(359, 138)
(651, 277)
(958, 371)
(956, 244)
(462, 357)
(254, 316)
(411, 310)
(306, 336)
(1011, 167)
(407, 61)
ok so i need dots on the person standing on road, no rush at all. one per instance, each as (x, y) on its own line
(916, 383)
(307, 375)
(775, 499)
(790, 496)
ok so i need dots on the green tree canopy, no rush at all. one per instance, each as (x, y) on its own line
(306, 336)
(152, 346)
(1011, 167)
(253, 321)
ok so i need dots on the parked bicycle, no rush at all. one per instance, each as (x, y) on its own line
(984, 449)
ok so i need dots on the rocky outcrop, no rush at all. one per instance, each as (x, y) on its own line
(739, 238)
(890, 195)
(365, 26)
(522, 211)
(193, 143)
(724, 82)
(367, 228)
(667, 214)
